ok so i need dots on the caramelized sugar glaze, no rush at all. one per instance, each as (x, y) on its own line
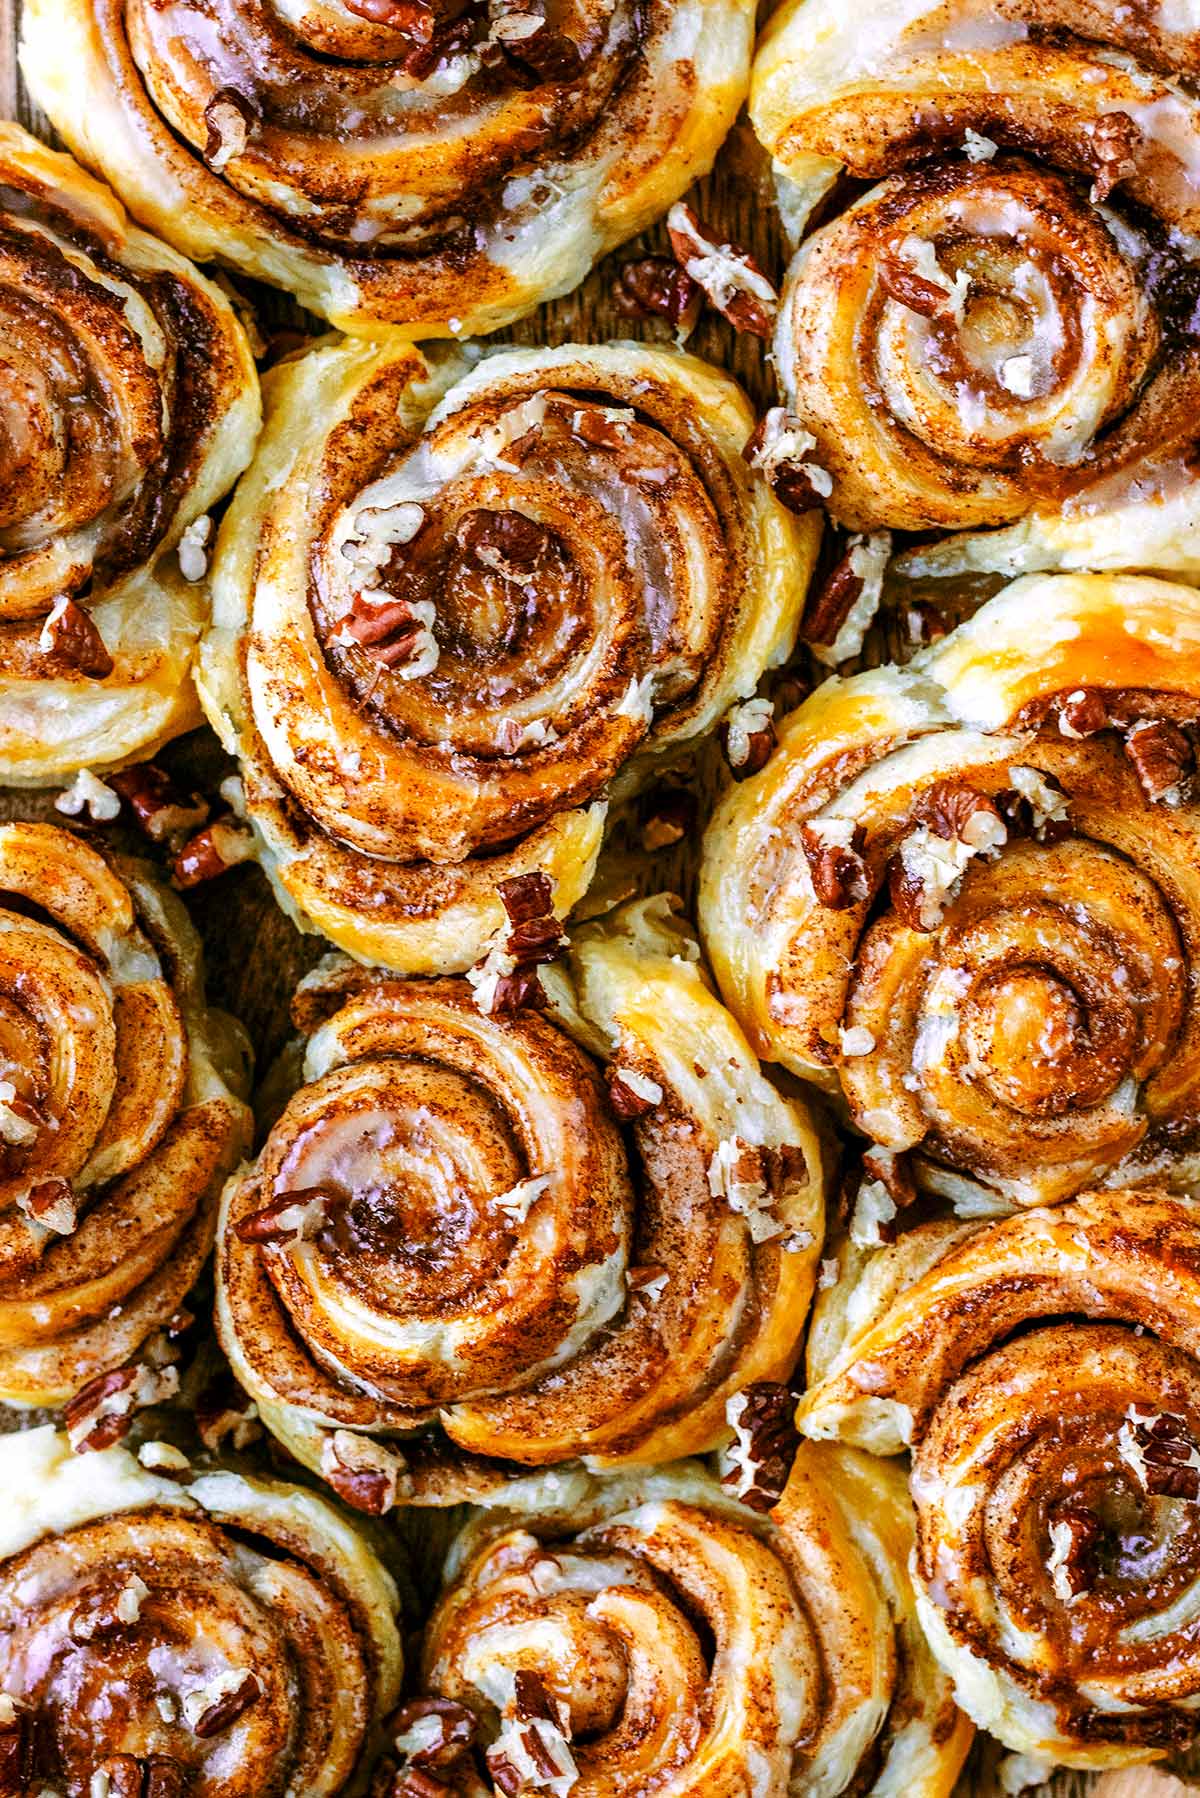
(439, 166)
(482, 600)
(448, 1240)
(999, 330)
(120, 1113)
(215, 1633)
(1043, 1371)
(129, 403)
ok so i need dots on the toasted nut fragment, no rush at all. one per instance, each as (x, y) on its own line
(1163, 760)
(762, 1418)
(732, 280)
(70, 635)
(836, 867)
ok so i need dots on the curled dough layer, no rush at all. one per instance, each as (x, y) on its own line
(998, 333)
(409, 165)
(128, 405)
(235, 1636)
(963, 895)
(479, 598)
(119, 1111)
(1056, 1472)
(490, 1254)
(692, 1648)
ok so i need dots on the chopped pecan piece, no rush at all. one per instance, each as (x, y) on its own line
(731, 279)
(838, 616)
(1116, 141)
(158, 807)
(88, 797)
(519, 991)
(229, 119)
(894, 1171)
(1163, 760)
(70, 634)
(52, 1204)
(913, 290)
(630, 1094)
(923, 622)
(215, 1707)
(366, 1474)
(433, 1732)
(748, 737)
(650, 1280)
(656, 287)
(1035, 805)
(762, 1418)
(1075, 1537)
(1161, 1450)
(832, 850)
(393, 633)
(526, 896)
(18, 1743)
(926, 869)
(778, 448)
(224, 1413)
(414, 18)
(510, 544)
(291, 1217)
(213, 851)
(1083, 713)
(668, 814)
(102, 1412)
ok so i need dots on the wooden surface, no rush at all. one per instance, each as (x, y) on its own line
(253, 955)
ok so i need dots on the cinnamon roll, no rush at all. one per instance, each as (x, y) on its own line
(128, 405)
(120, 1112)
(1000, 331)
(228, 1637)
(1043, 1370)
(438, 166)
(962, 897)
(470, 603)
(449, 1263)
(656, 1637)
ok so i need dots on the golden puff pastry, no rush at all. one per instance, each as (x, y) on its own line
(999, 332)
(459, 601)
(1043, 1370)
(449, 1263)
(121, 1113)
(650, 1636)
(230, 1635)
(128, 406)
(964, 898)
(396, 162)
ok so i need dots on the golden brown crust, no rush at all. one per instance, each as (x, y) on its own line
(492, 1256)
(119, 1113)
(232, 1635)
(129, 404)
(397, 165)
(971, 894)
(685, 1644)
(1044, 1370)
(479, 600)
(997, 333)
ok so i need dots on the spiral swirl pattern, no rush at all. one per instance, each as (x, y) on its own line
(484, 1259)
(1055, 1463)
(1005, 988)
(230, 1637)
(119, 1114)
(403, 162)
(128, 404)
(688, 1646)
(477, 603)
(999, 332)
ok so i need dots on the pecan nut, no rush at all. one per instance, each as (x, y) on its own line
(832, 848)
(657, 287)
(762, 1417)
(1163, 759)
(732, 281)
(70, 635)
